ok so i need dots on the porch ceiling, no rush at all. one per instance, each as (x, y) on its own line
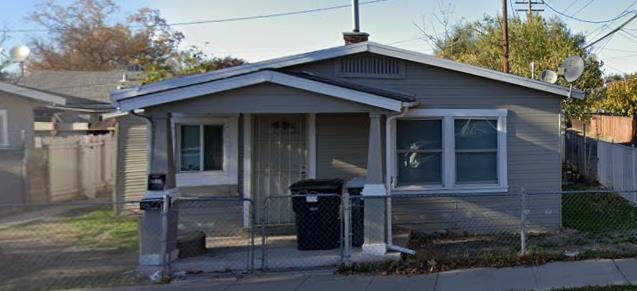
(346, 97)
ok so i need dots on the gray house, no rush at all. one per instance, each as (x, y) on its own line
(18, 105)
(411, 123)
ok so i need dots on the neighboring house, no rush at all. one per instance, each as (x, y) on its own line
(88, 98)
(17, 110)
(413, 124)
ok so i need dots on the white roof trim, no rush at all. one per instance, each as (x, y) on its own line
(32, 93)
(154, 99)
(343, 51)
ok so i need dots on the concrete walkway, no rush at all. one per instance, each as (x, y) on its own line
(545, 277)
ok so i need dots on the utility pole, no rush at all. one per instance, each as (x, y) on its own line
(505, 37)
(529, 8)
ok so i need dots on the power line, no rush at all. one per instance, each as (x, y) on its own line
(621, 15)
(612, 31)
(211, 21)
(583, 7)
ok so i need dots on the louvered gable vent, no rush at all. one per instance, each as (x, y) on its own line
(370, 66)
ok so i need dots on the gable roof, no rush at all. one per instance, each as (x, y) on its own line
(32, 93)
(85, 86)
(340, 51)
(343, 90)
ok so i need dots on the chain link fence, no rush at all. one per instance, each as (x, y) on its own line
(309, 238)
(215, 234)
(70, 245)
(594, 224)
(86, 245)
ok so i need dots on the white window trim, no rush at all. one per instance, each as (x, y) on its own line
(4, 131)
(448, 140)
(227, 176)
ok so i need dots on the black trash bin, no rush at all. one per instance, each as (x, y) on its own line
(317, 217)
(357, 205)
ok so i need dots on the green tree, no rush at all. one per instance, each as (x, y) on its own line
(620, 95)
(546, 43)
(191, 61)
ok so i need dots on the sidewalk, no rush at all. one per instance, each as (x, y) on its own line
(546, 277)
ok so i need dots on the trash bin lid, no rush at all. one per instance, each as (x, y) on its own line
(358, 182)
(317, 184)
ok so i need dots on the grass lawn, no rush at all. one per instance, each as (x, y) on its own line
(598, 212)
(85, 247)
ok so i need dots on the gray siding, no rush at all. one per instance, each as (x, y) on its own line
(19, 118)
(20, 135)
(341, 145)
(532, 124)
(130, 177)
(263, 98)
(12, 188)
(532, 146)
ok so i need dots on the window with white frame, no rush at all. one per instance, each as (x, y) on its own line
(450, 150)
(201, 148)
(206, 150)
(4, 131)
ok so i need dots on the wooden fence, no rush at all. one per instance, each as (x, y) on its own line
(618, 129)
(72, 167)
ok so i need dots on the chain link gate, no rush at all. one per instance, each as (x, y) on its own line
(215, 234)
(314, 240)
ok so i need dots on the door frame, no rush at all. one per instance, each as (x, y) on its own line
(247, 158)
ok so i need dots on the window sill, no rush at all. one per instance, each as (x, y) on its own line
(465, 189)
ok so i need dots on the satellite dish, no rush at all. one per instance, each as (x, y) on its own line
(548, 76)
(573, 68)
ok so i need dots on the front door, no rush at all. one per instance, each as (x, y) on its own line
(280, 159)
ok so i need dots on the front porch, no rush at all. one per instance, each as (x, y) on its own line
(253, 139)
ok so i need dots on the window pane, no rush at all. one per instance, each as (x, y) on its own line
(213, 147)
(419, 168)
(476, 168)
(419, 134)
(190, 148)
(476, 134)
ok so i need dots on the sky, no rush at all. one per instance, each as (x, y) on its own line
(389, 22)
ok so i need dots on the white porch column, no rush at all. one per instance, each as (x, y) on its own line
(158, 229)
(162, 159)
(375, 208)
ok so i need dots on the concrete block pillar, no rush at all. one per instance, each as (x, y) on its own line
(158, 225)
(375, 208)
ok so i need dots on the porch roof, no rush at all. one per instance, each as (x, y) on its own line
(379, 98)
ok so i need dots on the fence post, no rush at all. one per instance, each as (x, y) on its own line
(253, 225)
(166, 259)
(585, 151)
(522, 222)
(346, 235)
(632, 172)
(264, 225)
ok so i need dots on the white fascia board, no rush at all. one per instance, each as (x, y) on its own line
(257, 78)
(33, 94)
(472, 70)
(313, 56)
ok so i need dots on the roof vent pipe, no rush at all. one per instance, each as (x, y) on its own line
(355, 36)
